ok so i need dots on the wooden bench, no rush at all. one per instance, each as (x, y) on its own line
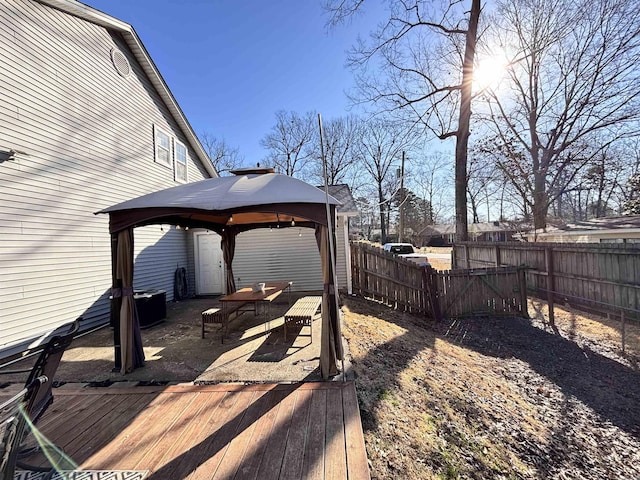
(302, 312)
(221, 316)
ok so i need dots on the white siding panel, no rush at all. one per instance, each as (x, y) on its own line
(341, 263)
(157, 255)
(285, 254)
(87, 137)
(191, 265)
(278, 255)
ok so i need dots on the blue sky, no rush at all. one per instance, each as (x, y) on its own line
(232, 64)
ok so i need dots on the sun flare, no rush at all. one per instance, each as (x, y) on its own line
(489, 72)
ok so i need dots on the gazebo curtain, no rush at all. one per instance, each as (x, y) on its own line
(256, 198)
(228, 250)
(131, 353)
(331, 336)
(127, 335)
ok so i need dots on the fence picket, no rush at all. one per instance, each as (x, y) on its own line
(604, 278)
(413, 288)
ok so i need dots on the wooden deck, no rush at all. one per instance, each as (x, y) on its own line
(225, 431)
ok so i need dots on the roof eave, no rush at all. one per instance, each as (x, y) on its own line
(608, 231)
(130, 36)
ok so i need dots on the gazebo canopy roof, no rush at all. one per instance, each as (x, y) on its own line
(252, 198)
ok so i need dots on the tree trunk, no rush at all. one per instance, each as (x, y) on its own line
(540, 204)
(474, 209)
(383, 230)
(462, 137)
(403, 197)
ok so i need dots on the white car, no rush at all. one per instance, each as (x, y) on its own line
(408, 251)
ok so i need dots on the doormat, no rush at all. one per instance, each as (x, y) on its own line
(84, 475)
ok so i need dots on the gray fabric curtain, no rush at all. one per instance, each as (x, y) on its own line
(331, 336)
(228, 250)
(132, 355)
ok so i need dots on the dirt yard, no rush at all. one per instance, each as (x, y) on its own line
(495, 398)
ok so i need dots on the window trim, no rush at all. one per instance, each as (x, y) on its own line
(177, 143)
(156, 147)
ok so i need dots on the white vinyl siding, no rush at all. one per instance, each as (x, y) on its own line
(158, 251)
(281, 254)
(341, 249)
(87, 134)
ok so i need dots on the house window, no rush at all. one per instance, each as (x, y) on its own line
(162, 142)
(180, 161)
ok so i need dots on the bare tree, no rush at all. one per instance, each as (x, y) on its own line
(415, 62)
(430, 177)
(223, 157)
(341, 136)
(511, 172)
(572, 89)
(598, 185)
(290, 142)
(380, 151)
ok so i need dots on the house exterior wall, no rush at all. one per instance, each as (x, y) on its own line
(285, 254)
(341, 250)
(84, 137)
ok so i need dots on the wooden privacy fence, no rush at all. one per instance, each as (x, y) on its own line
(452, 293)
(601, 277)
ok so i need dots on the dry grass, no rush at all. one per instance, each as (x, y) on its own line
(456, 400)
(440, 264)
(607, 331)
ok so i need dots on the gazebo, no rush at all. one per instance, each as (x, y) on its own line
(252, 198)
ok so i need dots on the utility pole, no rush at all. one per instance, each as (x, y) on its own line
(402, 200)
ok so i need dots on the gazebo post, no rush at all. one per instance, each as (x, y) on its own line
(331, 336)
(116, 303)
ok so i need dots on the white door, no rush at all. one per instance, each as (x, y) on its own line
(209, 264)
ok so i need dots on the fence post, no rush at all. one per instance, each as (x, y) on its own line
(523, 292)
(363, 271)
(430, 286)
(548, 261)
(623, 332)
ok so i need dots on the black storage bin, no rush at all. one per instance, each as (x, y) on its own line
(151, 306)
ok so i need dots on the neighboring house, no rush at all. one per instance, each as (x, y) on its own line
(444, 234)
(276, 254)
(86, 121)
(623, 229)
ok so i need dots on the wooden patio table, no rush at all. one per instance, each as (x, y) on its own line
(272, 290)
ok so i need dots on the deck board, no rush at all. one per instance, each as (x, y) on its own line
(292, 463)
(313, 465)
(279, 431)
(357, 464)
(129, 435)
(335, 456)
(250, 466)
(272, 458)
(211, 421)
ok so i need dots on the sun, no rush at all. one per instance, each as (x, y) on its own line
(489, 72)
